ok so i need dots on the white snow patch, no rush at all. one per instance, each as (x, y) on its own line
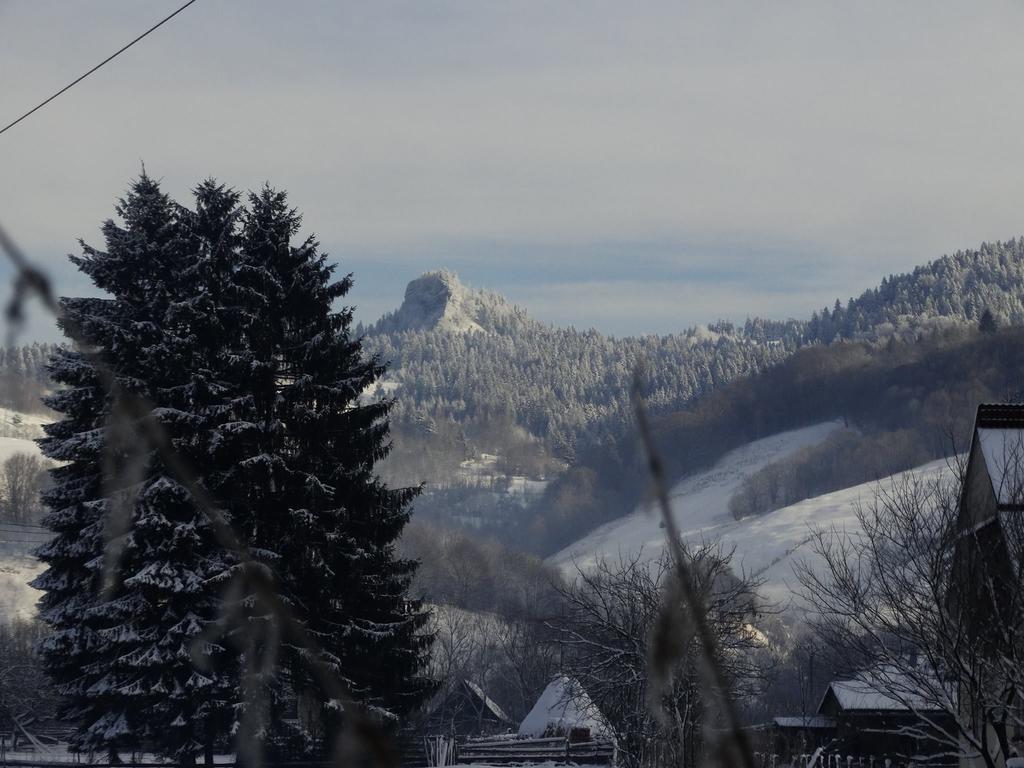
(9, 446)
(379, 390)
(482, 472)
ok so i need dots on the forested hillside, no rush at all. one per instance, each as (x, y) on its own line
(493, 405)
(958, 288)
(476, 376)
(472, 359)
(902, 403)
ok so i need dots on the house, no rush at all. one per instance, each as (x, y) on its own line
(787, 738)
(467, 710)
(871, 722)
(989, 519)
(986, 593)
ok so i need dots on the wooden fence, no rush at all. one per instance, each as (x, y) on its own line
(826, 759)
(525, 751)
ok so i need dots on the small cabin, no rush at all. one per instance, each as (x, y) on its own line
(467, 710)
(788, 737)
(994, 481)
(872, 723)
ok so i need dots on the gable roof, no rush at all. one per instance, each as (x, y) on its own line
(810, 722)
(887, 690)
(999, 438)
(487, 701)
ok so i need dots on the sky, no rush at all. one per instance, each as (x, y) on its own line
(633, 167)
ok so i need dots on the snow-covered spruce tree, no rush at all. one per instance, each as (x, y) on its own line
(200, 706)
(301, 485)
(125, 630)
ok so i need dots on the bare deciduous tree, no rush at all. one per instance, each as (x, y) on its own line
(26, 696)
(609, 634)
(21, 478)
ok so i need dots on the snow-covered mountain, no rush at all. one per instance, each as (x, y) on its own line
(473, 374)
(439, 301)
(768, 545)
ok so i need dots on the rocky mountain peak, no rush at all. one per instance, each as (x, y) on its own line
(440, 301)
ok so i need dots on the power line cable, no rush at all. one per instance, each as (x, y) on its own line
(109, 58)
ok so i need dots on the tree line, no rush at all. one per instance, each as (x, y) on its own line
(23, 477)
(24, 378)
(565, 386)
(962, 286)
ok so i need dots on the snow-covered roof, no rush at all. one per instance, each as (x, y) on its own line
(563, 705)
(488, 702)
(811, 721)
(1003, 451)
(888, 690)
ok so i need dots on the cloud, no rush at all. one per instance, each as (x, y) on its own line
(633, 307)
(844, 140)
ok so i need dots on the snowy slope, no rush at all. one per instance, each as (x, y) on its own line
(771, 544)
(700, 502)
(12, 445)
(768, 545)
(22, 425)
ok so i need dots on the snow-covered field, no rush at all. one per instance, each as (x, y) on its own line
(483, 471)
(12, 445)
(767, 545)
(21, 425)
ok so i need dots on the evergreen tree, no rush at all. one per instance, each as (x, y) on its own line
(230, 333)
(302, 480)
(987, 322)
(122, 646)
